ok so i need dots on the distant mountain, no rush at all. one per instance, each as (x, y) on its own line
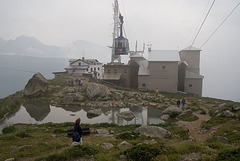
(30, 46)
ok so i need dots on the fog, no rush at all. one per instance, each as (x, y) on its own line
(167, 25)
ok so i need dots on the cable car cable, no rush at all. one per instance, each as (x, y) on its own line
(221, 24)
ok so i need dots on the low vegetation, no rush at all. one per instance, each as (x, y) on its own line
(50, 142)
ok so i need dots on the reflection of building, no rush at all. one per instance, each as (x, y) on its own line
(90, 67)
(37, 110)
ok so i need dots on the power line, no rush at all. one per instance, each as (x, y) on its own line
(201, 18)
(220, 24)
(201, 25)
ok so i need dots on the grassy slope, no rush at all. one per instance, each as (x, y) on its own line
(49, 141)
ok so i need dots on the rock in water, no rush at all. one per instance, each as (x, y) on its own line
(126, 115)
(36, 86)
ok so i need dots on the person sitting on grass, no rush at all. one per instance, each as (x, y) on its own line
(77, 133)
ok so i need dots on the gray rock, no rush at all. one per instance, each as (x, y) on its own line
(122, 157)
(184, 113)
(171, 109)
(118, 95)
(106, 146)
(220, 108)
(126, 115)
(68, 99)
(93, 90)
(36, 86)
(165, 117)
(102, 131)
(151, 142)
(76, 96)
(10, 159)
(105, 92)
(152, 131)
(222, 139)
(75, 144)
(124, 145)
(94, 113)
(236, 108)
(227, 113)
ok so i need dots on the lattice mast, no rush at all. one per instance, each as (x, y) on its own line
(115, 31)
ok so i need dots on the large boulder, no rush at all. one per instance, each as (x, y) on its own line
(126, 115)
(94, 113)
(36, 86)
(93, 90)
(152, 131)
(105, 92)
(172, 109)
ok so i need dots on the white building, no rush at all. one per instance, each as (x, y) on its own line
(83, 66)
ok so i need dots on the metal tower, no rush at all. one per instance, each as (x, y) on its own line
(115, 31)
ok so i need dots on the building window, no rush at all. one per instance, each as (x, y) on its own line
(79, 64)
(163, 67)
(98, 68)
(190, 85)
(115, 70)
(125, 71)
(108, 71)
(143, 85)
(98, 74)
(87, 70)
(91, 69)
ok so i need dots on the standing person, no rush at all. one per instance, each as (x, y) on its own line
(183, 103)
(178, 103)
(157, 91)
(77, 133)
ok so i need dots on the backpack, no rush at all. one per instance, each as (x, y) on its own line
(76, 137)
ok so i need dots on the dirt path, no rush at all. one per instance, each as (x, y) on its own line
(195, 130)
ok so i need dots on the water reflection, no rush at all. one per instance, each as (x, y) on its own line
(37, 110)
(41, 113)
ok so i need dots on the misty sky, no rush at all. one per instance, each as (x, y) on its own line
(166, 24)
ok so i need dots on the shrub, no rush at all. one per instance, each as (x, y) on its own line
(58, 131)
(142, 152)
(233, 155)
(81, 151)
(22, 135)
(127, 136)
(9, 129)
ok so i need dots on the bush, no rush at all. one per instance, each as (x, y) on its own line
(81, 151)
(142, 152)
(127, 136)
(9, 129)
(22, 135)
(233, 155)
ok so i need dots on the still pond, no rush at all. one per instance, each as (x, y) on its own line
(38, 113)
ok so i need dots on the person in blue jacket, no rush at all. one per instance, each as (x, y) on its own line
(77, 133)
(183, 103)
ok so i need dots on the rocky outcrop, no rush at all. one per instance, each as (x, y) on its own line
(227, 113)
(124, 145)
(172, 109)
(184, 113)
(36, 86)
(106, 146)
(93, 90)
(126, 115)
(94, 113)
(152, 131)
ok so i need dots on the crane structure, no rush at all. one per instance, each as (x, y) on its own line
(115, 31)
(120, 44)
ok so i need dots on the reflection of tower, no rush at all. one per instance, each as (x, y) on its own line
(37, 110)
(115, 31)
